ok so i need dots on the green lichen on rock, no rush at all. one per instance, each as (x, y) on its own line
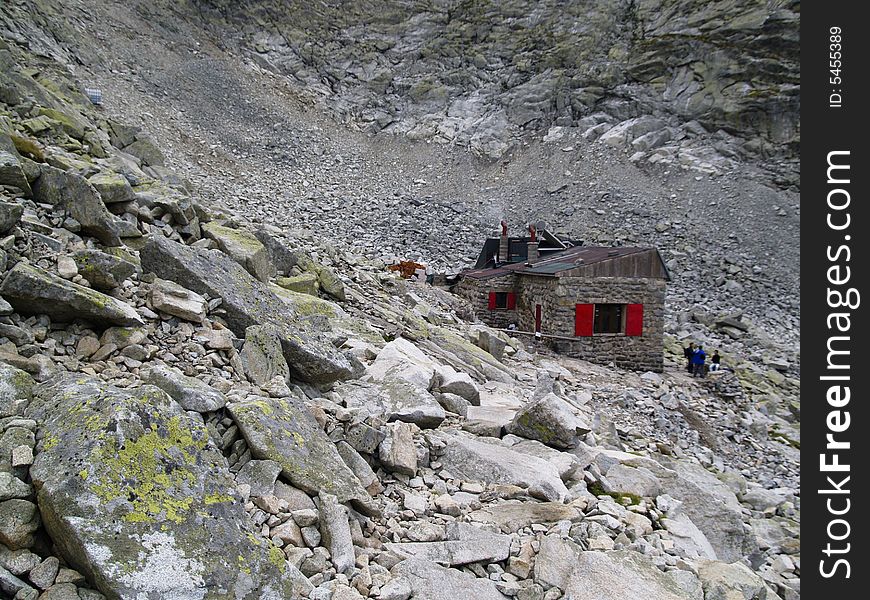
(132, 488)
(136, 470)
(16, 390)
(283, 430)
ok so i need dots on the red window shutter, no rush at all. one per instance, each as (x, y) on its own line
(512, 301)
(583, 318)
(492, 301)
(634, 319)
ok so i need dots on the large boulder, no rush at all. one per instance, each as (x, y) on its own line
(178, 301)
(401, 359)
(550, 420)
(722, 581)
(476, 460)
(189, 392)
(103, 271)
(307, 347)
(11, 172)
(10, 215)
(262, 356)
(137, 497)
(393, 400)
(710, 505)
(555, 561)
(16, 390)
(706, 501)
(243, 248)
(510, 517)
(620, 575)
(463, 355)
(283, 430)
(32, 290)
(282, 257)
(113, 187)
(74, 194)
(433, 582)
(450, 381)
(465, 544)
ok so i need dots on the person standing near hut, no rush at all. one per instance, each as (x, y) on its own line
(698, 360)
(689, 353)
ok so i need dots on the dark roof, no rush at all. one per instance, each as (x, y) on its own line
(579, 257)
(518, 247)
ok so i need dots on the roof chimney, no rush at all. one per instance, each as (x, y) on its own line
(504, 244)
(532, 254)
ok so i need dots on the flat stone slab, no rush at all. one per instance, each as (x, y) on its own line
(137, 497)
(189, 392)
(434, 582)
(31, 290)
(283, 430)
(475, 460)
(513, 516)
(469, 544)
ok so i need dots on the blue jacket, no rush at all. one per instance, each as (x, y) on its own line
(698, 357)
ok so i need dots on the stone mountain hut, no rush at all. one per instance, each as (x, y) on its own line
(601, 304)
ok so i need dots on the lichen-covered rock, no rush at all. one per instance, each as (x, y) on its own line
(306, 283)
(136, 497)
(11, 172)
(283, 430)
(146, 150)
(10, 213)
(462, 354)
(16, 390)
(19, 520)
(189, 392)
(32, 290)
(73, 193)
(262, 355)
(307, 347)
(243, 248)
(103, 271)
(113, 187)
(330, 283)
(550, 420)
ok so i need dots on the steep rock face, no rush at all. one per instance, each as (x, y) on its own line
(482, 73)
(136, 496)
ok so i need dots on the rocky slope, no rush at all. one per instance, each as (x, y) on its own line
(194, 360)
(485, 74)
